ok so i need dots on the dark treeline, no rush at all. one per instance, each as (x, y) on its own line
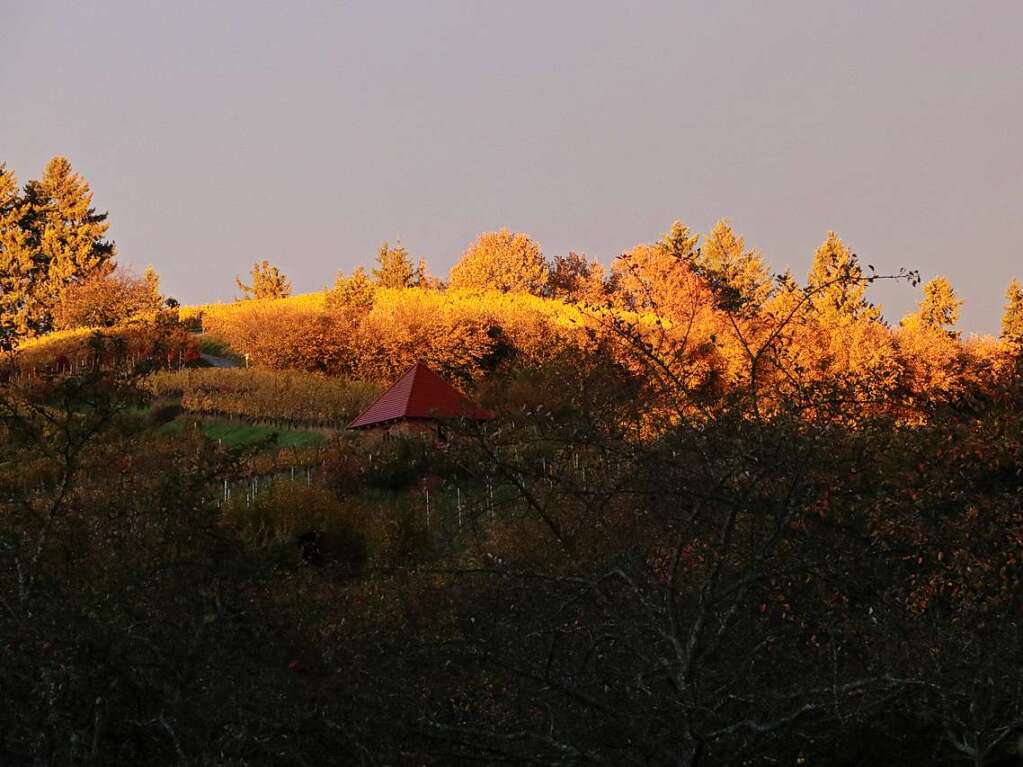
(695, 584)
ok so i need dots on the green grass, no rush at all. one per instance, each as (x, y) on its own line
(239, 434)
(217, 347)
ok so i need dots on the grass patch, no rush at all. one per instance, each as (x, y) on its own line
(217, 347)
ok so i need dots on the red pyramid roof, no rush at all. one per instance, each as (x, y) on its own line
(419, 393)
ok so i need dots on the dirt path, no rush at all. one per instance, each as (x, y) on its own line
(219, 362)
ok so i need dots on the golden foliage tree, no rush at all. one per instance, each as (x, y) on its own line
(268, 282)
(658, 278)
(67, 229)
(837, 279)
(351, 294)
(574, 278)
(658, 275)
(933, 358)
(1012, 318)
(50, 238)
(16, 262)
(411, 326)
(394, 268)
(108, 300)
(939, 307)
(738, 272)
(505, 261)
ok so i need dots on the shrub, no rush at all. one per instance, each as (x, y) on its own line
(295, 513)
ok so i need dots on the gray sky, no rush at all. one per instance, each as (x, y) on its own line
(217, 133)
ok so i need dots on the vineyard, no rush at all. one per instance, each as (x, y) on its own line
(161, 345)
(263, 396)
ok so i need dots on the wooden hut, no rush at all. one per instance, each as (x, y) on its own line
(420, 402)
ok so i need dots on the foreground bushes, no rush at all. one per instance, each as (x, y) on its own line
(642, 562)
(734, 590)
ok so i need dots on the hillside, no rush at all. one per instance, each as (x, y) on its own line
(715, 516)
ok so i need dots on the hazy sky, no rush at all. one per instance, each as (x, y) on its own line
(219, 133)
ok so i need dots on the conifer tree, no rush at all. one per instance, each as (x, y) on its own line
(15, 261)
(838, 282)
(1012, 318)
(939, 308)
(505, 261)
(732, 269)
(50, 238)
(394, 269)
(679, 243)
(152, 282)
(268, 282)
(66, 228)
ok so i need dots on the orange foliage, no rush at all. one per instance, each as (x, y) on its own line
(105, 300)
(159, 345)
(462, 334)
(676, 318)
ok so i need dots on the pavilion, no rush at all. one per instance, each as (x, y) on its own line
(420, 402)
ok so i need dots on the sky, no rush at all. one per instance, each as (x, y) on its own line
(222, 132)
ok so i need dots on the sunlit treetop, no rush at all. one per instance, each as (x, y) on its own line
(837, 278)
(725, 260)
(939, 307)
(50, 238)
(394, 268)
(1012, 318)
(504, 260)
(267, 282)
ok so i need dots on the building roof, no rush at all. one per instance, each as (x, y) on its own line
(419, 393)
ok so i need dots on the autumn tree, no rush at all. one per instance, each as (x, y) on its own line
(505, 261)
(106, 300)
(837, 280)
(351, 293)
(267, 282)
(939, 308)
(15, 262)
(1012, 318)
(738, 273)
(933, 357)
(574, 278)
(394, 268)
(656, 275)
(50, 238)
